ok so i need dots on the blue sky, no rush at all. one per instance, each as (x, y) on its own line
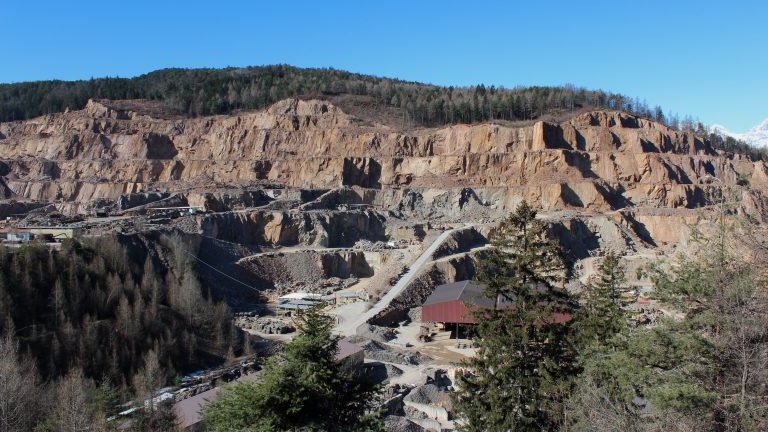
(704, 58)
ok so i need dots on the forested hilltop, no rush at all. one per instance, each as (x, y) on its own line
(197, 92)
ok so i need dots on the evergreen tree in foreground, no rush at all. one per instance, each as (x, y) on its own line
(603, 313)
(703, 368)
(606, 390)
(718, 378)
(303, 389)
(525, 363)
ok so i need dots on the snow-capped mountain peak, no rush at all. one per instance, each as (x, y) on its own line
(757, 136)
(720, 130)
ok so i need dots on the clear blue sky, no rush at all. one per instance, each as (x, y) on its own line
(704, 58)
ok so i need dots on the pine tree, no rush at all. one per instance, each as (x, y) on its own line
(603, 313)
(612, 376)
(304, 388)
(721, 292)
(703, 369)
(106, 397)
(525, 363)
(606, 390)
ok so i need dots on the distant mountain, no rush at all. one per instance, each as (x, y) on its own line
(757, 136)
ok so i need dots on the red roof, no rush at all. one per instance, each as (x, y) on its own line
(458, 301)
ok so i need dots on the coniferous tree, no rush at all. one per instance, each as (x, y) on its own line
(704, 367)
(605, 392)
(20, 391)
(603, 311)
(93, 308)
(106, 397)
(304, 388)
(718, 377)
(526, 362)
(73, 410)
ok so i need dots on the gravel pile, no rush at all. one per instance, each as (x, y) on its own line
(413, 296)
(378, 351)
(380, 372)
(460, 241)
(296, 267)
(265, 325)
(426, 394)
(187, 224)
(369, 246)
(415, 314)
(309, 271)
(400, 424)
(376, 333)
(414, 413)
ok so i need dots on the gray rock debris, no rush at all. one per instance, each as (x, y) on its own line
(376, 333)
(426, 394)
(383, 353)
(400, 424)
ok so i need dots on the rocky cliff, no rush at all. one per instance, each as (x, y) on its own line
(303, 176)
(599, 160)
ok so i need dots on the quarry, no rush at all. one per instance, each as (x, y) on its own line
(302, 203)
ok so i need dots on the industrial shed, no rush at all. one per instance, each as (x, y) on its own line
(455, 303)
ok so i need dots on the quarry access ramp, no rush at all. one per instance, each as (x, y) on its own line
(349, 328)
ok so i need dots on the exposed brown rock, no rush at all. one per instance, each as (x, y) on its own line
(598, 161)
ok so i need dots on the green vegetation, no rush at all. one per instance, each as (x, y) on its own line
(605, 395)
(732, 145)
(523, 370)
(721, 291)
(700, 368)
(216, 91)
(302, 389)
(603, 313)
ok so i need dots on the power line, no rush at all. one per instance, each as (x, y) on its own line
(222, 273)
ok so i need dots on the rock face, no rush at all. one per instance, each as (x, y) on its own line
(599, 160)
(340, 178)
(326, 229)
(307, 267)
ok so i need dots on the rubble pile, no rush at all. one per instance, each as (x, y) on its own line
(369, 246)
(265, 325)
(381, 372)
(319, 286)
(401, 424)
(383, 353)
(375, 333)
(309, 270)
(426, 394)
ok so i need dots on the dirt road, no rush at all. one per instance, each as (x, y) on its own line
(348, 328)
